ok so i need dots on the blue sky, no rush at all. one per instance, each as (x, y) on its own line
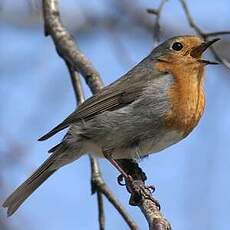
(191, 178)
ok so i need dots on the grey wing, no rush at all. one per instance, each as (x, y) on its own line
(117, 95)
(94, 106)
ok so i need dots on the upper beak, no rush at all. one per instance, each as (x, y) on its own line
(199, 50)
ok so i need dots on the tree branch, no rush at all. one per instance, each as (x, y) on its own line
(101, 214)
(76, 83)
(147, 204)
(66, 47)
(98, 184)
(77, 62)
(157, 12)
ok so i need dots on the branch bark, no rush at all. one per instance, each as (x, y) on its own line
(77, 63)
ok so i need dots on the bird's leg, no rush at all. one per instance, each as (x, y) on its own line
(135, 184)
(137, 188)
(108, 156)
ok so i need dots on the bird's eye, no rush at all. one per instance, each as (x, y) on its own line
(177, 46)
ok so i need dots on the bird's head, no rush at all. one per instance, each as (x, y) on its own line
(186, 49)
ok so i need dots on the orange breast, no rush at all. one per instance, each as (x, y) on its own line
(186, 95)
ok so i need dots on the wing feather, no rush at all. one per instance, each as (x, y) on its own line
(119, 94)
(98, 105)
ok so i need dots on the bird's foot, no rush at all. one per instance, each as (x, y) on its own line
(138, 190)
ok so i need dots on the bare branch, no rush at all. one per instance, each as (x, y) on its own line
(98, 184)
(148, 205)
(154, 217)
(76, 83)
(204, 35)
(66, 46)
(76, 61)
(157, 12)
(218, 33)
(190, 19)
(101, 213)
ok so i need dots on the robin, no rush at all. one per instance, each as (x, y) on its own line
(155, 105)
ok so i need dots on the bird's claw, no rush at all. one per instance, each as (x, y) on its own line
(137, 190)
(120, 180)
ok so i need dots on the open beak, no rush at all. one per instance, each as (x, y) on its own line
(199, 50)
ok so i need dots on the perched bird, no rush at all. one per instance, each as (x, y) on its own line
(155, 105)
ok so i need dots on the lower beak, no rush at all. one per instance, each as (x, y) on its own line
(199, 50)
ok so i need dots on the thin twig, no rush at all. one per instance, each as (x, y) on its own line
(190, 19)
(204, 35)
(95, 176)
(98, 184)
(152, 11)
(76, 83)
(157, 12)
(217, 33)
(101, 213)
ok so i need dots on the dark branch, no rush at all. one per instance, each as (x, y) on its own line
(218, 33)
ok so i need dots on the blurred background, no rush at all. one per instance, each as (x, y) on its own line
(191, 178)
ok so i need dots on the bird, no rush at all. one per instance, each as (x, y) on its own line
(153, 106)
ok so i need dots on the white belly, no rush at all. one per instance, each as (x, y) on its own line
(144, 148)
(170, 138)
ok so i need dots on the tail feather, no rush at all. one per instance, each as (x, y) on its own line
(61, 147)
(14, 201)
